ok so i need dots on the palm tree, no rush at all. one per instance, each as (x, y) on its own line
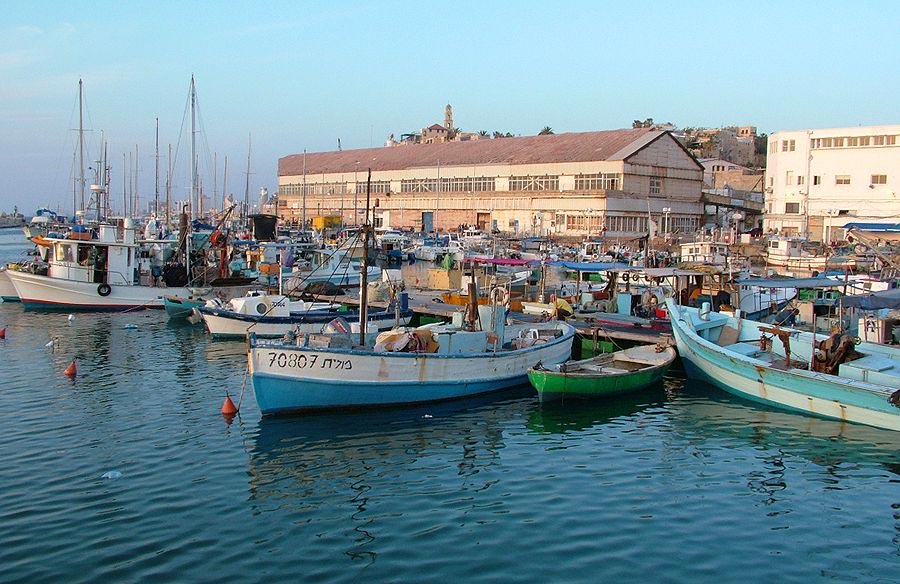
(484, 133)
(545, 131)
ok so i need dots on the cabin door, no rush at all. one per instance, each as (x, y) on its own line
(428, 221)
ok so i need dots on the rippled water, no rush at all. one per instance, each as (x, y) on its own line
(682, 483)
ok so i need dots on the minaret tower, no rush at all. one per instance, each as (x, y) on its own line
(448, 117)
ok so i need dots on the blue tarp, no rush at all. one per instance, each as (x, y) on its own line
(883, 227)
(889, 299)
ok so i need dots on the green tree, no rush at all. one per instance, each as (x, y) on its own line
(545, 131)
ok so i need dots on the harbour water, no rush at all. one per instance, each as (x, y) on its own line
(129, 473)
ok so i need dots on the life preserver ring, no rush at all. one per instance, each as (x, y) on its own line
(625, 276)
(499, 295)
(104, 289)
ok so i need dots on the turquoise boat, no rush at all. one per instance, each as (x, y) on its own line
(830, 376)
(624, 371)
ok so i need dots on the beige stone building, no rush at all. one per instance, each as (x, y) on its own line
(564, 184)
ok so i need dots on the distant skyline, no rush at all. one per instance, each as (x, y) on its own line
(303, 75)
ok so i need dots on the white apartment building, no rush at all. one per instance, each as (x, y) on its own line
(819, 180)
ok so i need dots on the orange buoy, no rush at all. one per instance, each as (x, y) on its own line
(71, 370)
(228, 407)
(3, 333)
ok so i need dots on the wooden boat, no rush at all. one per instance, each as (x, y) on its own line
(407, 366)
(608, 374)
(822, 375)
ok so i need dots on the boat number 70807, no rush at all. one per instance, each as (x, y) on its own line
(301, 361)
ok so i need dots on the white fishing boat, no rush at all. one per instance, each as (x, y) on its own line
(270, 316)
(107, 273)
(405, 367)
(337, 267)
(7, 290)
(823, 375)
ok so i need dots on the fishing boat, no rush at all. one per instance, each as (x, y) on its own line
(7, 290)
(106, 273)
(823, 375)
(408, 366)
(608, 374)
(270, 316)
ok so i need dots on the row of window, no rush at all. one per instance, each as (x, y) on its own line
(534, 183)
(794, 209)
(448, 185)
(600, 181)
(583, 182)
(836, 142)
(852, 141)
(839, 179)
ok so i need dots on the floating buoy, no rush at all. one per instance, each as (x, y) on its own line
(228, 407)
(3, 333)
(71, 370)
(71, 317)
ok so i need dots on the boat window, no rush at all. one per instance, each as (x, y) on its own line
(84, 252)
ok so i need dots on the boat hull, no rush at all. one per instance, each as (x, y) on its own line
(555, 385)
(225, 324)
(7, 289)
(292, 379)
(798, 390)
(39, 292)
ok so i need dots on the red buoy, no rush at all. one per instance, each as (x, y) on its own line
(228, 407)
(3, 333)
(71, 370)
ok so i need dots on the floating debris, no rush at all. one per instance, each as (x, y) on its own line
(111, 475)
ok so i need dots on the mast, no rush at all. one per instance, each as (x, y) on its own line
(364, 267)
(194, 202)
(247, 182)
(303, 226)
(124, 182)
(156, 202)
(215, 180)
(81, 140)
(225, 182)
(169, 189)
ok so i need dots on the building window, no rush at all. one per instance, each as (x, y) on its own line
(879, 179)
(789, 177)
(817, 180)
(771, 181)
(791, 145)
(852, 141)
(864, 140)
(838, 142)
(655, 185)
(773, 147)
(792, 208)
(826, 142)
(600, 181)
(784, 145)
(842, 179)
(891, 140)
(801, 179)
(534, 183)
(879, 140)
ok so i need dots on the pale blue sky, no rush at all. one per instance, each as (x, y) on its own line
(299, 75)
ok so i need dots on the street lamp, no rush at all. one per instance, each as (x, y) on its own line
(736, 218)
(666, 211)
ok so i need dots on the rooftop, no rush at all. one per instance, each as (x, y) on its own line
(570, 147)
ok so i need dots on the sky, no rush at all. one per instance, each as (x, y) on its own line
(278, 78)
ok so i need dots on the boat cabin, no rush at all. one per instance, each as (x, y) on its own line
(105, 260)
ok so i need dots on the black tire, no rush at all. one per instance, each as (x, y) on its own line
(104, 290)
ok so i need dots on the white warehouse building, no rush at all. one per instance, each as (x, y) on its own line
(819, 180)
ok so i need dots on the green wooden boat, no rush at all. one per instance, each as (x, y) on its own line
(608, 374)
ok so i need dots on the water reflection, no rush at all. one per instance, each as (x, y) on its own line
(578, 415)
(347, 468)
(706, 415)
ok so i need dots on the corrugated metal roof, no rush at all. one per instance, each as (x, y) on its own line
(570, 147)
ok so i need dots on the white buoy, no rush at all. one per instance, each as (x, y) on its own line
(71, 317)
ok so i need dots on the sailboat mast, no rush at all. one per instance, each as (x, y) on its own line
(225, 183)
(156, 202)
(169, 189)
(194, 203)
(81, 139)
(247, 184)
